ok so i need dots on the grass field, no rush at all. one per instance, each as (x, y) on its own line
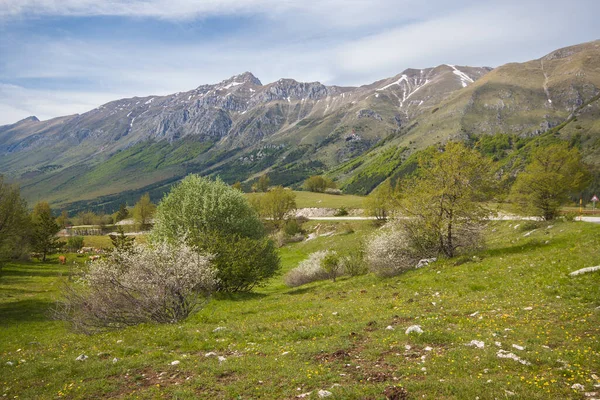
(279, 343)
(323, 200)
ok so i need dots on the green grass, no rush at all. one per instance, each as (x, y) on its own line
(278, 340)
(323, 200)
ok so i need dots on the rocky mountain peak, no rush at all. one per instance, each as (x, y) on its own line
(246, 77)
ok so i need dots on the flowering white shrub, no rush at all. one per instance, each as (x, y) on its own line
(309, 270)
(163, 283)
(389, 252)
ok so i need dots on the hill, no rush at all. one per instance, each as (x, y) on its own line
(346, 337)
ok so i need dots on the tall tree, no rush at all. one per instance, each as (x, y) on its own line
(380, 202)
(63, 219)
(444, 202)
(122, 242)
(554, 172)
(123, 213)
(276, 204)
(14, 222)
(262, 185)
(45, 228)
(143, 211)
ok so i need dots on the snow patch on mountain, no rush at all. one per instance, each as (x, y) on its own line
(465, 79)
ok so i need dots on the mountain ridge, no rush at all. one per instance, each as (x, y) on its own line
(239, 128)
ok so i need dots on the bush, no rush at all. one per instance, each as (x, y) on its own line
(331, 265)
(309, 270)
(292, 227)
(354, 263)
(242, 263)
(164, 283)
(389, 253)
(74, 243)
(318, 184)
(215, 217)
(341, 212)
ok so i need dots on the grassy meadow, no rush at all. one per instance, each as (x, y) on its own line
(346, 337)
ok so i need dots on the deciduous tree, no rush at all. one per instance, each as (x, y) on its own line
(143, 211)
(554, 172)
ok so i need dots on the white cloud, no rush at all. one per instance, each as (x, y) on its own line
(345, 42)
(17, 103)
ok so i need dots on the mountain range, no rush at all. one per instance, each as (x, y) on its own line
(240, 128)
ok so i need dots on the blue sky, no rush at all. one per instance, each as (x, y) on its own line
(60, 57)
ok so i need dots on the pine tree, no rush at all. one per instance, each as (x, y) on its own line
(45, 228)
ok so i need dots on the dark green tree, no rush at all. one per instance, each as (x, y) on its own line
(45, 228)
(14, 222)
(123, 213)
(121, 241)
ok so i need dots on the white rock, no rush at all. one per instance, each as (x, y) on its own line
(577, 386)
(221, 359)
(115, 360)
(219, 328)
(428, 348)
(10, 363)
(210, 354)
(334, 313)
(423, 369)
(389, 328)
(529, 233)
(82, 357)
(424, 262)
(506, 354)
(585, 270)
(407, 347)
(119, 341)
(176, 362)
(477, 343)
(285, 353)
(303, 395)
(324, 393)
(498, 344)
(474, 314)
(516, 346)
(528, 308)
(415, 329)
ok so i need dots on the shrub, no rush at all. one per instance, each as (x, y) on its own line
(74, 243)
(354, 263)
(309, 270)
(292, 227)
(341, 212)
(318, 184)
(164, 283)
(216, 218)
(242, 263)
(331, 265)
(388, 253)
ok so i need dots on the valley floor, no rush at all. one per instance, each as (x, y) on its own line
(480, 315)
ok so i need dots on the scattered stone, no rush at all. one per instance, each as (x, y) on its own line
(285, 353)
(219, 328)
(423, 369)
(10, 363)
(474, 314)
(529, 233)
(407, 347)
(578, 386)
(324, 393)
(428, 348)
(477, 343)
(221, 359)
(303, 395)
(516, 346)
(506, 354)
(81, 357)
(415, 329)
(425, 262)
(590, 394)
(119, 341)
(176, 362)
(115, 360)
(334, 313)
(210, 354)
(389, 328)
(585, 270)
(516, 226)
(528, 308)
(498, 344)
